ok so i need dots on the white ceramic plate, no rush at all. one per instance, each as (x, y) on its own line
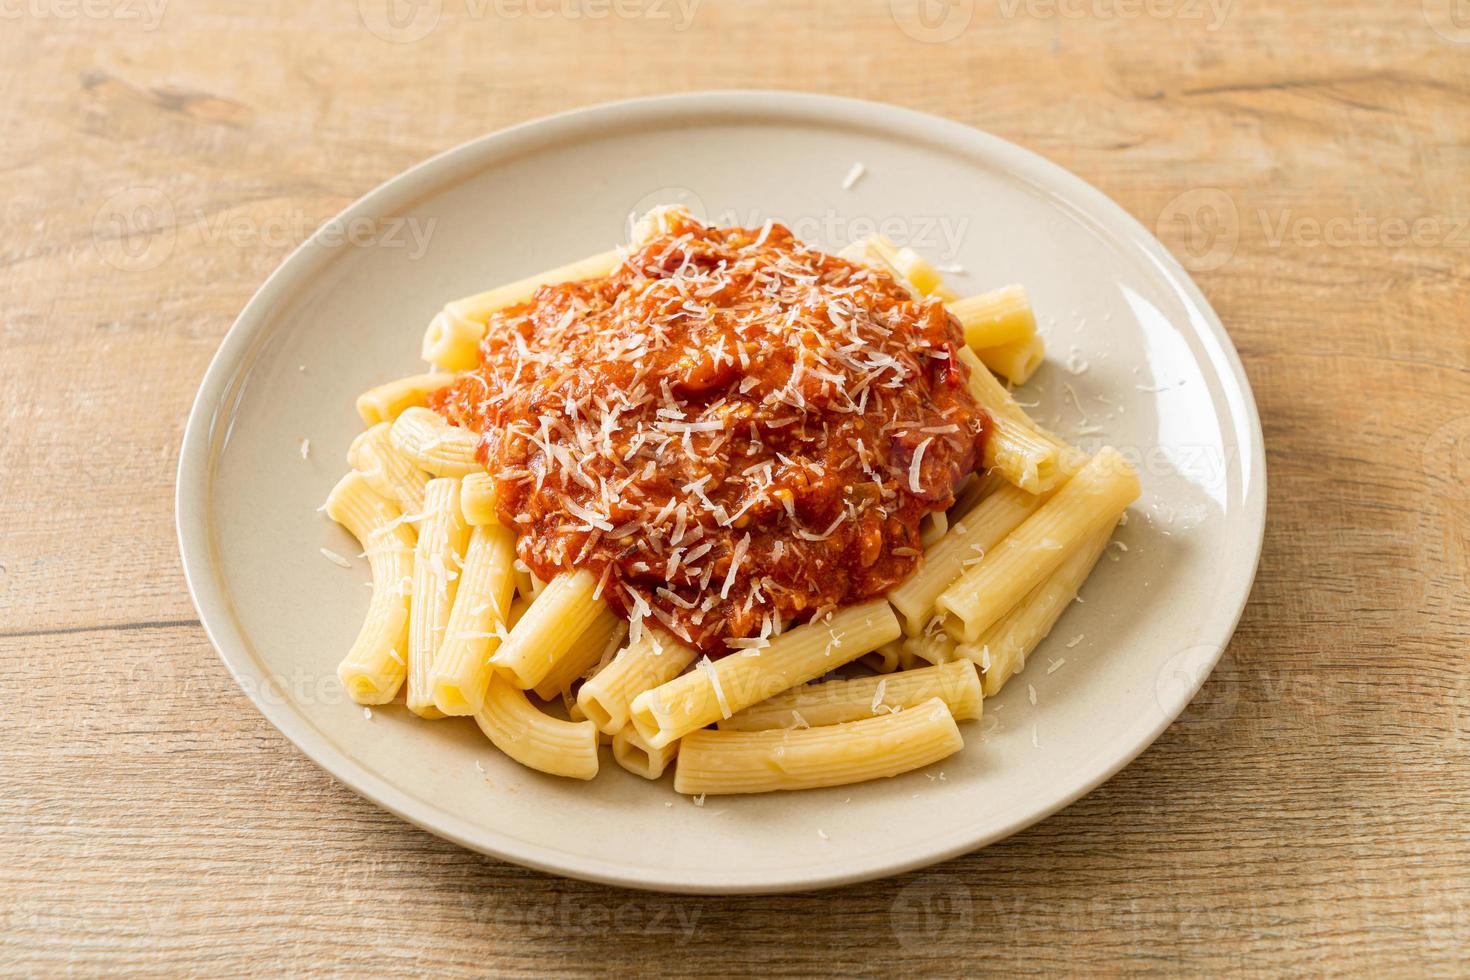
(1152, 370)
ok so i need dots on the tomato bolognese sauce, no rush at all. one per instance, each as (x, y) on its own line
(734, 431)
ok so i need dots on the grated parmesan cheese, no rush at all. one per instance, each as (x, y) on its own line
(335, 558)
(676, 420)
(916, 463)
(708, 668)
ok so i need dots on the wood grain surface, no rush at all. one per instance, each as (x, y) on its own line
(1308, 160)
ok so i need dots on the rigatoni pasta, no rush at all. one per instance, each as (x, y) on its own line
(482, 305)
(638, 757)
(1002, 316)
(553, 622)
(434, 445)
(885, 659)
(833, 702)
(602, 636)
(438, 557)
(724, 762)
(721, 688)
(963, 546)
(387, 401)
(375, 667)
(386, 470)
(653, 659)
(1001, 651)
(477, 622)
(534, 738)
(723, 503)
(1017, 361)
(477, 499)
(1093, 499)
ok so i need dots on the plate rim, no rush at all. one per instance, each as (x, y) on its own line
(197, 456)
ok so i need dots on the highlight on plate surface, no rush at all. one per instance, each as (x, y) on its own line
(723, 502)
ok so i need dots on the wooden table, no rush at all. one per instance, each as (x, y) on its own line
(1308, 813)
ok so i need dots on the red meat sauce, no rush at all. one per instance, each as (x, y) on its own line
(734, 432)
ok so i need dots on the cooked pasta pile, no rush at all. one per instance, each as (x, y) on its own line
(672, 487)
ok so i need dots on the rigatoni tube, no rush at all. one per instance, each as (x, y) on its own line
(387, 470)
(832, 755)
(604, 634)
(481, 305)
(559, 614)
(654, 659)
(1002, 650)
(477, 621)
(477, 499)
(967, 541)
(638, 757)
(957, 684)
(1001, 316)
(443, 536)
(374, 668)
(720, 689)
(386, 402)
(1016, 361)
(452, 341)
(1091, 500)
(1016, 447)
(532, 737)
(435, 445)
